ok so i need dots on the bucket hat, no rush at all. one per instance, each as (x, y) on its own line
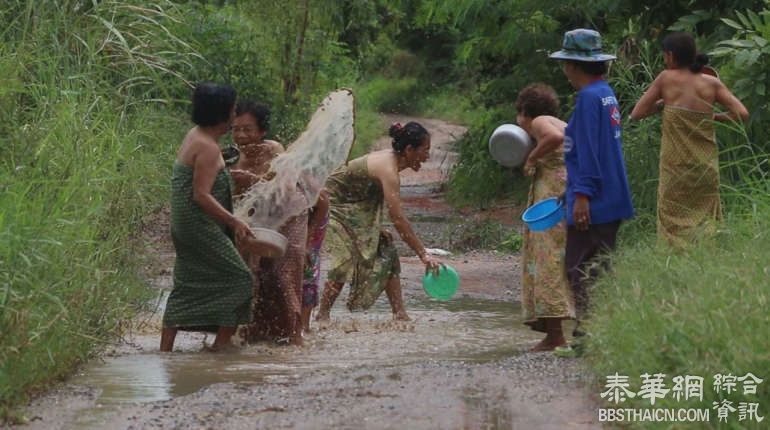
(582, 45)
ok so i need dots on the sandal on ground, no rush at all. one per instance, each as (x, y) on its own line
(574, 350)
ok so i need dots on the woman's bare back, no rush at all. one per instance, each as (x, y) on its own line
(685, 89)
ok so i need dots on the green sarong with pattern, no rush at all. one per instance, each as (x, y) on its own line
(360, 253)
(212, 284)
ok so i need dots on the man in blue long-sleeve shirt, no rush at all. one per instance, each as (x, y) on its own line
(597, 195)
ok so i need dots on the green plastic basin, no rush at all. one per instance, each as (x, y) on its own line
(443, 286)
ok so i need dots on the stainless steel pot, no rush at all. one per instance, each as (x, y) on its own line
(510, 145)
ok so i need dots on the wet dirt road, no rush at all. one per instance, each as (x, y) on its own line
(461, 364)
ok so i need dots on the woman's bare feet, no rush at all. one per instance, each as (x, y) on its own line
(393, 291)
(296, 339)
(401, 316)
(328, 296)
(554, 336)
(548, 344)
(306, 312)
(322, 317)
(222, 348)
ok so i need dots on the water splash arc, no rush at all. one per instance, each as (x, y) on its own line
(297, 176)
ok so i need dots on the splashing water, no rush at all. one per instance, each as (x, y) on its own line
(296, 176)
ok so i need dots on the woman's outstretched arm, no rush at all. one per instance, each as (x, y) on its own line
(391, 188)
(648, 103)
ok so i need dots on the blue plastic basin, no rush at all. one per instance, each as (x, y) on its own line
(544, 214)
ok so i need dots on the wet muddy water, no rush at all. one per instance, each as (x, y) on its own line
(464, 330)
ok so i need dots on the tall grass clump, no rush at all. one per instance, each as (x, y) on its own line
(86, 143)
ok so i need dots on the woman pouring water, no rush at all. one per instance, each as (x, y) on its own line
(278, 290)
(361, 252)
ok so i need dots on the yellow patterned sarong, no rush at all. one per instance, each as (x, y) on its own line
(688, 191)
(545, 292)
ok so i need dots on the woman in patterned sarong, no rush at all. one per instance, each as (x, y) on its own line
(688, 188)
(546, 296)
(361, 252)
(278, 287)
(212, 284)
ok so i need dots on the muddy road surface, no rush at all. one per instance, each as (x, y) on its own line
(459, 364)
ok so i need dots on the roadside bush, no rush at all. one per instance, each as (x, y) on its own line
(478, 179)
(392, 95)
(92, 108)
(88, 139)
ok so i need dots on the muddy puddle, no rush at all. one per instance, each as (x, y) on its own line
(468, 330)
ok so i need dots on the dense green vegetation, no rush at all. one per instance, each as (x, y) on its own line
(93, 101)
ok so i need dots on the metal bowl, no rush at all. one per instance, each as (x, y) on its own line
(231, 155)
(267, 243)
(510, 145)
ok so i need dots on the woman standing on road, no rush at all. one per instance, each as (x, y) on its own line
(546, 296)
(362, 253)
(212, 284)
(688, 189)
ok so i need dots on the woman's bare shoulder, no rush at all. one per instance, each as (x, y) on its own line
(545, 123)
(381, 163)
(275, 146)
(194, 144)
(712, 80)
(665, 76)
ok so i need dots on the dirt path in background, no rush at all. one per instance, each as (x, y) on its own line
(461, 364)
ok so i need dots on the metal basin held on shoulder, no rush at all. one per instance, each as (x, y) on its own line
(510, 145)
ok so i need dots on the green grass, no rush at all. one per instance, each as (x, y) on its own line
(86, 149)
(391, 95)
(478, 179)
(67, 264)
(407, 96)
(699, 313)
(92, 108)
(450, 104)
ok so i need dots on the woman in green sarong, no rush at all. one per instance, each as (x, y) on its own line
(212, 284)
(546, 296)
(688, 188)
(361, 252)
